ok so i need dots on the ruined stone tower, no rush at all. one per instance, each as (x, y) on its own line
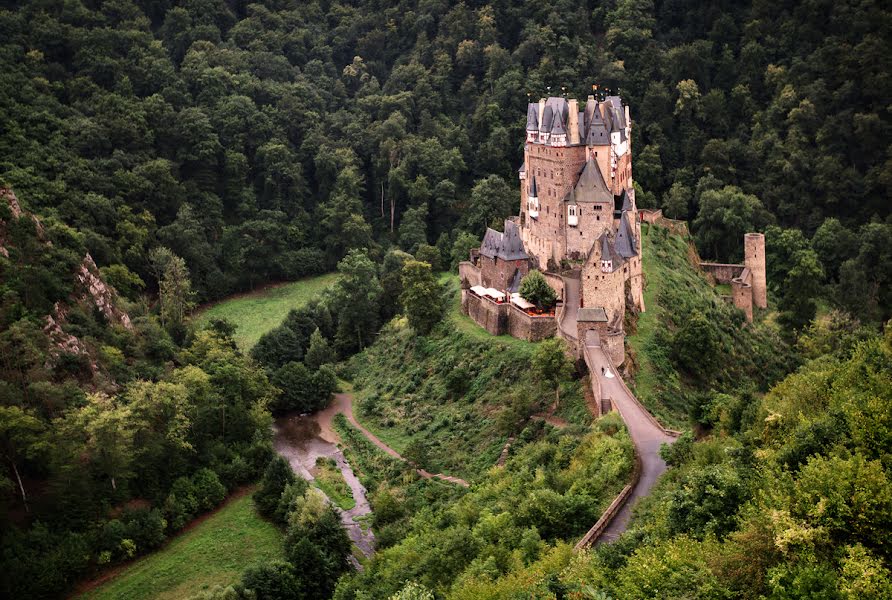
(754, 260)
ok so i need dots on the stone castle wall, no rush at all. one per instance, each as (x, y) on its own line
(606, 290)
(489, 315)
(469, 272)
(502, 319)
(722, 272)
(742, 296)
(555, 170)
(530, 328)
(497, 273)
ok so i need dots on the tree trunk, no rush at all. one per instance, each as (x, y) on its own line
(392, 212)
(21, 486)
(114, 485)
(382, 199)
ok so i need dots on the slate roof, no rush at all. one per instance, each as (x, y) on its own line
(591, 186)
(627, 203)
(625, 238)
(533, 192)
(594, 127)
(507, 245)
(533, 116)
(547, 119)
(592, 315)
(557, 125)
(598, 130)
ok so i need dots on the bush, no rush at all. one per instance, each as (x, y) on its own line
(146, 527)
(208, 490)
(275, 580)
(180, 506)
(277, 476)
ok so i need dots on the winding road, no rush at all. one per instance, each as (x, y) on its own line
(646, 433)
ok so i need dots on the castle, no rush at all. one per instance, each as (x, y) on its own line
(578, 224)
(577, 217)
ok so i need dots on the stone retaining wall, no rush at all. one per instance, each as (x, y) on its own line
(529, 327)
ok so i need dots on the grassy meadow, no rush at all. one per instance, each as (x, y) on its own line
(215, 552)
(255, 313)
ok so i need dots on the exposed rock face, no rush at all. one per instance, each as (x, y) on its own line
(91, 288)
(61, 341)
(8, 196)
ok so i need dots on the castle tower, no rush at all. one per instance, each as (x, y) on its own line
(754, 260)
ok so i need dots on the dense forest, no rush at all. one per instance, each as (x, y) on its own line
(263, 140)
(166, 153)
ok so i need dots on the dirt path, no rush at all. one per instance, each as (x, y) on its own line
(343, 404)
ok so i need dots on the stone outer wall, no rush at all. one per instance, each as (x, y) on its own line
(530, 328)
(556, 282)
(469, 272)
(489, 315)
(650, 215)
(614, 345)
(742, 296)
(722, 272)
(501, 319)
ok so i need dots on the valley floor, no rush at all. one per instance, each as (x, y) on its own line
(213, 551)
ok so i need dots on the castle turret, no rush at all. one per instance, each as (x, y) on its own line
(754, 260)
(532, 122)
(606, 259)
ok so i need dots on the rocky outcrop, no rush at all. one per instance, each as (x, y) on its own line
(8, 196)
(92, 289)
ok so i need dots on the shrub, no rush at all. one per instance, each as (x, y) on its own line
(273, 581)
(145, 527)
(208, 490)
(277, 476)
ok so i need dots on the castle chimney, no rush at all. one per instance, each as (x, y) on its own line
(573, 122)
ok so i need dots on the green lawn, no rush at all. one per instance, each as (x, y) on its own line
(256, 313)
(217, 551)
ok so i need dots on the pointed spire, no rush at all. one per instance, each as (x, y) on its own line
(627, 203)
(533, 116)
(533, 192)
(625, 239)
(557, 125)
(605, 247)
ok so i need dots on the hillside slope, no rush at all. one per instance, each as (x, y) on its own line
(691, 352)
(451, 401)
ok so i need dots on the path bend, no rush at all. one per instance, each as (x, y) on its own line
(647, 436)
(645, 431)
